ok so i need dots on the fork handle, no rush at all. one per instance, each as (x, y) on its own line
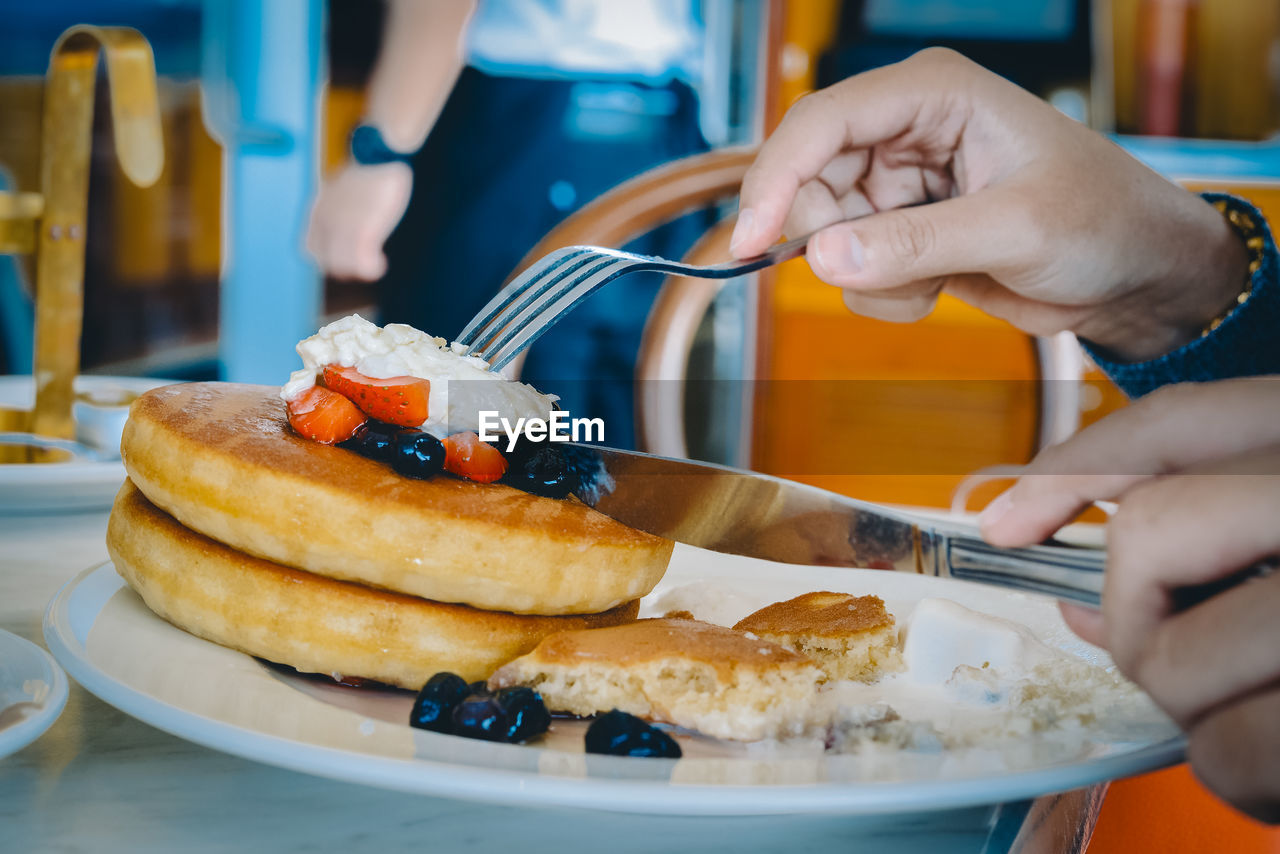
(773, 255)
(1066, 572)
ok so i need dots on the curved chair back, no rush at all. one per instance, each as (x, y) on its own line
(691, 183)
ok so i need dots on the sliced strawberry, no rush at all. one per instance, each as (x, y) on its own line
(395, 400)
(324, 416)
(466, 456)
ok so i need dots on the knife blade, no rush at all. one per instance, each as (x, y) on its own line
(758, 515)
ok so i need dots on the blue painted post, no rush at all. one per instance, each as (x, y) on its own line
(262, 64)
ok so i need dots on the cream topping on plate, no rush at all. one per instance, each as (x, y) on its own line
(461, 386)
(943, 635)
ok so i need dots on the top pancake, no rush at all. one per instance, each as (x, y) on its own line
(658, 640)
(696, 675)
(222, 459)
(822, 614)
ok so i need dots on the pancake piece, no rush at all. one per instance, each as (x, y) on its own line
(222, 459)
(692, 674)
(851, 637)
(314, 624)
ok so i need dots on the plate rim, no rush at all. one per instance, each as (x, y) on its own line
(23, 733)
(516, 788)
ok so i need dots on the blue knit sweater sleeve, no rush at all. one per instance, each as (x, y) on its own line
(1247, 343)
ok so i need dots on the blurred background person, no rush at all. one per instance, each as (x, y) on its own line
(488, 122)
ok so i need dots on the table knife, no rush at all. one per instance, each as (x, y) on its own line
(746, 513)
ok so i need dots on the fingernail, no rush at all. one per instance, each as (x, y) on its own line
(839, 252)
(742, 230)
(996, 510)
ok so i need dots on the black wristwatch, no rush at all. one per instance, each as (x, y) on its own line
(368, 148)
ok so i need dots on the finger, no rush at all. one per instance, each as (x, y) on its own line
(984, 232)
(904, 305)
(894, 185)
(844, 171)
(1235, 751)
(1028, 314)
(372, 267)
(340, 254)
(319, 235)
(315, 239)
(1221, 650)
(1085, 622)
(1181, 531)
(854, 114)
(368, 262)
(815, 208)
(1169, 430)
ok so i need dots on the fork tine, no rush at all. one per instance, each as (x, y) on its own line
(531, 306)
(551, 287)
(537, 292)
(530, 277)
(529, 328)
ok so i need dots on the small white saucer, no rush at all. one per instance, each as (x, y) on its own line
(33, 691)
(79, 484)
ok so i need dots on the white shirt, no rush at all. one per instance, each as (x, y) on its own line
(650, 40)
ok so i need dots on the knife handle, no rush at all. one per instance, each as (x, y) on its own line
(1066, 572)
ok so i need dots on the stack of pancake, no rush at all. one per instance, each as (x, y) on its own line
(237, 530)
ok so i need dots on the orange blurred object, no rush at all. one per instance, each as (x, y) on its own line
(1170, 812)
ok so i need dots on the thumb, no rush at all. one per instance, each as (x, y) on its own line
(968, 234)
(368, 263)
(371, 264)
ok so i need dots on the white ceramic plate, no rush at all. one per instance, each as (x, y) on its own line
(75, 485)
(104, 636)
(33, 691)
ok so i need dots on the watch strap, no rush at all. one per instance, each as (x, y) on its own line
(368, 148)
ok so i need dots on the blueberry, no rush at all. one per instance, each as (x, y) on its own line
(620, 734)
(587, 470)
(371, 442)
(434, 705)
(510, 714)
(417, 454)
(527, 715)
(480, 716)
(518, 451)
(383, 427)
(542, 471)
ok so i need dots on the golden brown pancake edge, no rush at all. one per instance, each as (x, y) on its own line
(309, 622)
(222, 459)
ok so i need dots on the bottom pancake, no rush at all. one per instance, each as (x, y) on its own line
(315, 624)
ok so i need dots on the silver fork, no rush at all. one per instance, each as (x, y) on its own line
(554, 284)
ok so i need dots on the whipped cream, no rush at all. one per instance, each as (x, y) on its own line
(973, 679)
(461, 386)
(943, 635)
